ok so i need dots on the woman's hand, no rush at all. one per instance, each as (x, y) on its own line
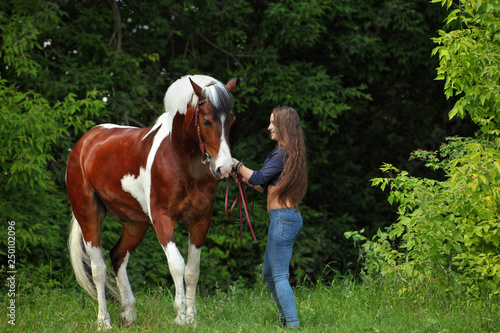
(233, 172)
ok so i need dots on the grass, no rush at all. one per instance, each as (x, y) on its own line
(342, 306)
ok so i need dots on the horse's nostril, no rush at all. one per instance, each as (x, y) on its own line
(221, 172)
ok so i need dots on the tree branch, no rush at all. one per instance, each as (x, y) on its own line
(117, 34)
(233, 55)
(129, 119)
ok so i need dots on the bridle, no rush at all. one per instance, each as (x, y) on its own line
(242, 195)
(205, 158)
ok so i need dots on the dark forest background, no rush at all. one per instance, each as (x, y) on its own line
(360, 73)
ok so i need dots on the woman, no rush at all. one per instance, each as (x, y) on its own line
(283, 179)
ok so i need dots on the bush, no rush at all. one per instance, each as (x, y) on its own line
(448, 232)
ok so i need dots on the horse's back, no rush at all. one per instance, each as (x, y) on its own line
(107, 145)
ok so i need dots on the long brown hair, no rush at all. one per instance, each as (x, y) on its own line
(292, 183)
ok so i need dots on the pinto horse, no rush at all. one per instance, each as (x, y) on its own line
(145, 177)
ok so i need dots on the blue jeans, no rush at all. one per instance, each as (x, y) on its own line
(285, 227)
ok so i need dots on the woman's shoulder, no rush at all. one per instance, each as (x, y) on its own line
(277, 156)
(277, 151)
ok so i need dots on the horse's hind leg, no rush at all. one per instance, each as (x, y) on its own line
(131, 237)
(99, 276)
(89, 211)
(92, 242)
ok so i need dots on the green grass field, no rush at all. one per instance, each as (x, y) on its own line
(340, 307)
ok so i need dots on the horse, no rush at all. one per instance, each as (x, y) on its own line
(150, 177)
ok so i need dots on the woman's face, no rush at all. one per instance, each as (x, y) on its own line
(271, 128)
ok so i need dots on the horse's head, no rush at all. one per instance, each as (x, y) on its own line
(214, 117)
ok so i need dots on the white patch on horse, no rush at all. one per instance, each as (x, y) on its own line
(224, 160)
(99, 276)
(128, 300)
(111, 126)
(137, 187)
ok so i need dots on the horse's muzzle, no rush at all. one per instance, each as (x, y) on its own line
(222, 172)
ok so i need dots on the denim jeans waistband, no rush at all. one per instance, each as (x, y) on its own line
(276, 211)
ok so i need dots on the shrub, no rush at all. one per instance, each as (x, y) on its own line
(448, 232)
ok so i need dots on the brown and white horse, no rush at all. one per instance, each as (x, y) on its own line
(145, 177)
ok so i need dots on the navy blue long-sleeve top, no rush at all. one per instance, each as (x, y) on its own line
(270, 171)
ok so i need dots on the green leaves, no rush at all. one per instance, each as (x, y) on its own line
(294, 24)
(469, 61)
(14, 48)
(31, 130)
(447, 231)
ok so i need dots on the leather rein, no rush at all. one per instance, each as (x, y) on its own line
(241, 198)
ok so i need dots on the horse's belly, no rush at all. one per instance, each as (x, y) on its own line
(127, 212)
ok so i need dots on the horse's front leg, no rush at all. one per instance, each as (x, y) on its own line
(197, 235)
(164, 228)
(177, 268)
(191, 277)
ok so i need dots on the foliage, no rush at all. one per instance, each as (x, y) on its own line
(470, 59)
(448, 232)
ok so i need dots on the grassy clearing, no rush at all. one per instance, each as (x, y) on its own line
(340, 307)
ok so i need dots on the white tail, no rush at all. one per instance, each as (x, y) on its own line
(80, 260)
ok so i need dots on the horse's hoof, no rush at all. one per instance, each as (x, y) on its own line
(104, 326)
(184, 320)
(128, 318)
(127, 324)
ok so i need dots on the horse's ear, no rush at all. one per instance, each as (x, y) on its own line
(196, 88)
(231, 84)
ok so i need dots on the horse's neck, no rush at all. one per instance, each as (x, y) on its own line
(184, 136)
(179, 146)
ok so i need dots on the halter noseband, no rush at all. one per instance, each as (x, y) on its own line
(205, 158)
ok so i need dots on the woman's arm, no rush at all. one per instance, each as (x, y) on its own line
(246, 173)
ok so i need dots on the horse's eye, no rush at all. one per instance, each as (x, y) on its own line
(207, 123)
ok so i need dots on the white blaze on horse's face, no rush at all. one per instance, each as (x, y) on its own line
(221, 166)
